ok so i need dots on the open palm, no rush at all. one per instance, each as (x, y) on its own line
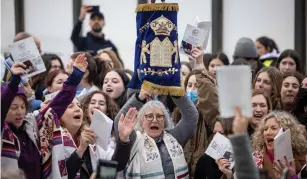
(126, 124)
(81, 62)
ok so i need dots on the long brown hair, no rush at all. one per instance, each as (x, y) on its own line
(276, 81)
(113, 56)
(112, 108)
(267, 98)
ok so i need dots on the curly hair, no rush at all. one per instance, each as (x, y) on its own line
(286, 121)
(112, 108)
(276, 80)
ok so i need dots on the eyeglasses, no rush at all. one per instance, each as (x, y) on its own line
(150, 117)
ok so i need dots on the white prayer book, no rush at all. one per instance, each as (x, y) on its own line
(102, 126)
(25, 51)
(283, 146)
(195, 36)
(220, 147)
(234, 89)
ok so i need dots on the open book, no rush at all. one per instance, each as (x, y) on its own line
(8, 64)
(25, 51)
(220, 147)
(234, 89)
(102, 126)
(283, 146)
(194, 36)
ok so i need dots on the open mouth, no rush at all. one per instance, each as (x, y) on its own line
(77, 117)
(154, 128)
(258, 115)
(18, 118)
(270, 140)
(109, 90)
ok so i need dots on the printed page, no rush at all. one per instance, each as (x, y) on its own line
(25, 51)
(102, 126)
(220, 147)
(8, 64)
(283, 147)
(234, 89)
(193, 36)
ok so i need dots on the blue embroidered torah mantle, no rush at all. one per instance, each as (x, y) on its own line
(156, 51)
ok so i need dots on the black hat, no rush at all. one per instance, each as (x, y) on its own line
(99, 14)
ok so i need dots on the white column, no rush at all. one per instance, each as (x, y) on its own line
(7, 24)
(255, 18)
(52, 23)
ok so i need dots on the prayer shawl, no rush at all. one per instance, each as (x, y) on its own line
(156, 59)
(57, 145)
(146, 161)
(10, 149)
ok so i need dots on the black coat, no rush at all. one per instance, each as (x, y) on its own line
(74, 163)
(90, 43)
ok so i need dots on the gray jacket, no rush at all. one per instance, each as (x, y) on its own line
(181, 132)
(245, 167)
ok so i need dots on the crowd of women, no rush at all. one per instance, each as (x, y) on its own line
(153, 136)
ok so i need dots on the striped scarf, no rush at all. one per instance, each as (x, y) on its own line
(146, 162)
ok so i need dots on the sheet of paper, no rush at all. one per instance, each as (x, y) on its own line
(193, 36)
(25, 51)
(281, 131)
(8, 64)
(220, 147)
(102, 126)
(283, 147)
(51, 96)
(234, 89)
(206, 26)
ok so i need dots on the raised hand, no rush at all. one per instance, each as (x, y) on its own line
(126, 124)
(27, 90)
(87, 137)
(18, 68)
(145, 95)
(223, 165)
(198, 54)
(279, 168)
(83, 11)
(240, 122)
(81, 62)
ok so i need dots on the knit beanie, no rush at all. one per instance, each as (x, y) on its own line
(245, 48)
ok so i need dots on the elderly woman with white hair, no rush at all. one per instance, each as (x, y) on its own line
(157, 151)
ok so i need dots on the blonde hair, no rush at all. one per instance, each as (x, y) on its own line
(286, 121)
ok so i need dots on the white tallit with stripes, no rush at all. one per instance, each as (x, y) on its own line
(146, 160)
